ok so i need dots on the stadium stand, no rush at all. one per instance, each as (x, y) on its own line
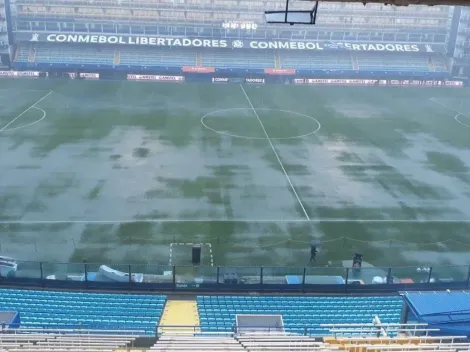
(217, 313)
(22, 53)
(157, 57)
(354, 325)
(96, 55)
(66, 54)
(29, 340)
(402, 62)
(362, 338)
(229, 10)
(319, 61)
(51, 309)
(196, 343)
(281, 342)
(440, 64)
(227, 59)
(244, 59)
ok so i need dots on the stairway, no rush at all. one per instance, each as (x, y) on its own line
(277, 61)
(431, 66)
(117, 58)
(16, 51)
(355, 63)
(179, 312)
(32, 54)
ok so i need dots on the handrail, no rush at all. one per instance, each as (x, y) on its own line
(253, 279)
(79, 331)
(373, 325)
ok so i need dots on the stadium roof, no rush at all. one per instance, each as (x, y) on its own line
(292, 17)
(447, 311)
(407, 2)
(440, 307)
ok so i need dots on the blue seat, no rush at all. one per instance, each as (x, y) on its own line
(297, 312)
(90, 310)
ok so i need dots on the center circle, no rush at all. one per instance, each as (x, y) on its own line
(254, 116)
(460, 118)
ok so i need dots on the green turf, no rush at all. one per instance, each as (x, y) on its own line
(117, 171)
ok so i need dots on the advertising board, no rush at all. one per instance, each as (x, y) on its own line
(198, 69)
(220, 80)
(155, 78)
(381, 82)
(14, 74)
(88, 75)
(254, 80)
(279, 71)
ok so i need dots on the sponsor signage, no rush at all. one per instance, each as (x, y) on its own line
(220, 80)
(32, 74)
(255, 80)
(87, 75)
(225, 43)
(279, 71)
(84, 75)
(155, 78)
(198, 69)
(420, 83)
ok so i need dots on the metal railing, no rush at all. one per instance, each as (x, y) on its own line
(213, 278)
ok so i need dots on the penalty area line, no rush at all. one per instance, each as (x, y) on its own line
(456, 117)
(25, 111)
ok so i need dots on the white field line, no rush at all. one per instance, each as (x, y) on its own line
(24, 112)
(456, 117)
(44, 114)
(5, 223)
(276, 154)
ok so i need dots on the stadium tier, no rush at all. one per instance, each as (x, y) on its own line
(318, 61)
(152, 57)
(63, 14)
(240, 31)
(147, 57)
(245, 59)
(394, 63)
(51, 54)
(72, 310)
(218, 313)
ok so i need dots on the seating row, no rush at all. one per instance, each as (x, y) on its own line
(300, 306)
(225, 58)
(79, 295)
(218, 313)
(81, 314)
(92, 311)
(301, 299)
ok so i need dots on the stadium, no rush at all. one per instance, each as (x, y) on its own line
(200, 175)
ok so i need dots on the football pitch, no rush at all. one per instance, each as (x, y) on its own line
(131, 172)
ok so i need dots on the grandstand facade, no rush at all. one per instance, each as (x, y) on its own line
(349, 40)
